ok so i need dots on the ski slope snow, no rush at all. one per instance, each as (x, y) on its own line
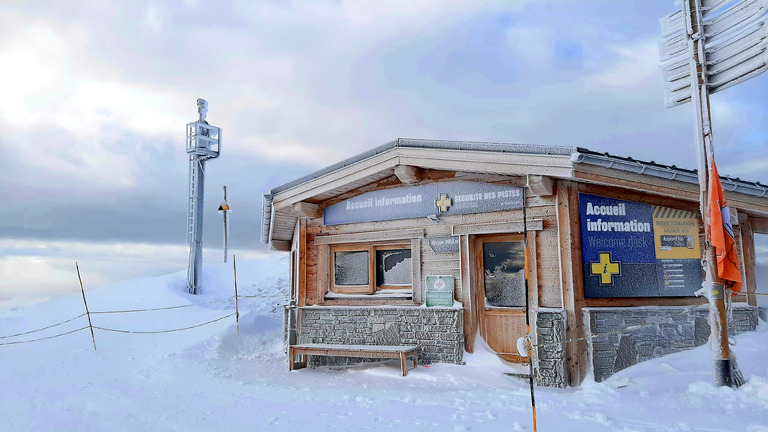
(209, 378)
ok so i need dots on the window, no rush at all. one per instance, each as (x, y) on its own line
(504, 273)
(371, 269)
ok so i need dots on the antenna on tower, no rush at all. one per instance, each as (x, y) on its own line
(203, 143)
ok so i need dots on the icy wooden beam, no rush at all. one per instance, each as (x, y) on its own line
(408, 174)
(280, 245)
(539, 185)
(305, 209)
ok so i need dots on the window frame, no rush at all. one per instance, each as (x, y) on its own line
(371, 248)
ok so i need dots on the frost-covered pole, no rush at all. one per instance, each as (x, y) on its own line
(705, 151)
(203, 143)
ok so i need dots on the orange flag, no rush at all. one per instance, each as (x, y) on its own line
(721, 234)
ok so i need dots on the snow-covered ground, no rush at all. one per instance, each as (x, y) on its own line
(210, 378)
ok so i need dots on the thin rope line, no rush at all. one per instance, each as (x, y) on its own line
(162, 308)
(39, 339)
(163, 331)
(41, 329)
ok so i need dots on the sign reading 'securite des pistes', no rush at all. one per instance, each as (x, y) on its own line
(632, 249)
(441, 199)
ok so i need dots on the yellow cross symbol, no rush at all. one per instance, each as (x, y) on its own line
(443, 202)
(605, 268)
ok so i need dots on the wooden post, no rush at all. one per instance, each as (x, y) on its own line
(87, 312)
(571, 277)
(237, 309)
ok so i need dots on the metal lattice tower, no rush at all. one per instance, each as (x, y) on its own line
(203, 143)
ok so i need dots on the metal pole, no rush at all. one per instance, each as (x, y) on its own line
(527, 317)
(226, 235)
(87, 312)
(197, 241)
(705, 151)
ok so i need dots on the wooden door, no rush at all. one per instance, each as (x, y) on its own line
(499, 271)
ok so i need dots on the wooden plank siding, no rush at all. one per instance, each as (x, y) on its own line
(540, 209)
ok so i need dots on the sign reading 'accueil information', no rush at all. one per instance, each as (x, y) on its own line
(441, 199)
(631, 249)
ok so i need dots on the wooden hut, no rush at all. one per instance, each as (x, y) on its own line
(420, 244)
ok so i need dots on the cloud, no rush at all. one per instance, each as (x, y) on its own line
(32, 270)
(97, 95)
(637, 66)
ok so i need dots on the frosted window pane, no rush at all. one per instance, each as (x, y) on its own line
(393, 267)
(351, 268)
(504, 273)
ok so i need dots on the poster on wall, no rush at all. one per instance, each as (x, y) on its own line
(631, 249)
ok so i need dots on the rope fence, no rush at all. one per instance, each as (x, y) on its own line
(236, 314)
(162, 308)
(41, 329)
(44, 338)
(163, 331)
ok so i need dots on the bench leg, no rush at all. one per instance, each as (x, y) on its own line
(402, 363)
(290, 359)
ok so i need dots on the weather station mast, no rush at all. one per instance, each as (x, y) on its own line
(203, 143)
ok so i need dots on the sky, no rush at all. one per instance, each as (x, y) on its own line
(95, 96)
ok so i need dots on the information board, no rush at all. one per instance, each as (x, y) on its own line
(439, 291)
(434, 199)
(631, 249)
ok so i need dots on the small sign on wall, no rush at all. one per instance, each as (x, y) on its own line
(444, 245)
(439, 291)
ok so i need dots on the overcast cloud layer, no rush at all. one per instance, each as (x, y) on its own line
(94, 97)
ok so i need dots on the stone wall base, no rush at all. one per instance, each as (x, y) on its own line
(439, 332)
(551, 368)
(662, 330)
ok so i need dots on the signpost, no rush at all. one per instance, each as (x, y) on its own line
(224, 209)
(708, 46)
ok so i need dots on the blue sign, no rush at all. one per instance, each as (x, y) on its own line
(631, 249)
(435, 199)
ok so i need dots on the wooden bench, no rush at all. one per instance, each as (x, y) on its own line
(362, 351)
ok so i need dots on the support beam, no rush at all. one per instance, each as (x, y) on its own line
(759, 225)
(748, 260)
(305, 209)
(571, 277)
(539, 185)
(280, 245)
(408, 174)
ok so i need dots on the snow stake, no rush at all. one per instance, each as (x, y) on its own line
(237, 309)
(87, 312)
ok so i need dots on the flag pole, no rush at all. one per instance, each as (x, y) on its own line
(705, 151)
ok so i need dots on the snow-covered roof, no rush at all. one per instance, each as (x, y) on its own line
(554, 161)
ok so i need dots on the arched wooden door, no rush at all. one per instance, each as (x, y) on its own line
(499, 275)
